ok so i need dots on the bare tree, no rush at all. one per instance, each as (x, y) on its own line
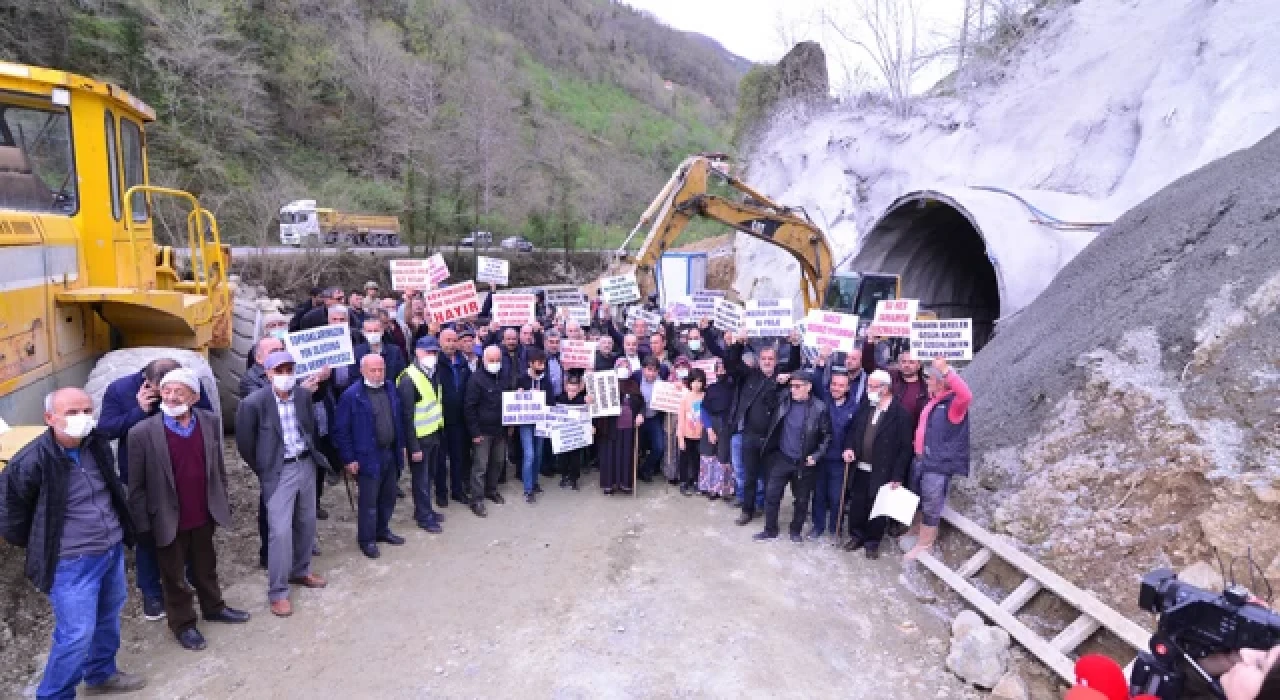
(889, 33)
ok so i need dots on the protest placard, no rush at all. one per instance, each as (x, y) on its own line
(523, 407)
(893, 318)
(620, 290)
(727, 315)
(830, 330)
(951, 338)
(579, 314)
(317, 348)
(514, 309)
(681, 310)
(564, 295)
(578, 354)
(410, 274)
(492, 270)
(570, 436)
(605, 397)
(704, 303)
(708, 366)
(667, 396)
(765, 318)
(652, 319)
(561, 413)
(453, 302)
(437, 270)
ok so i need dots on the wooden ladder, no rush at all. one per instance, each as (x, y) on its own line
(1094, 614)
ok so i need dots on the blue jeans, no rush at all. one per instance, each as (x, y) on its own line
(144, 557)
(531, 456)
(827, 499)
(87, 596)
(655, 437)
(740, 473)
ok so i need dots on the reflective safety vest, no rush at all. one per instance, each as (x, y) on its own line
(427, 416)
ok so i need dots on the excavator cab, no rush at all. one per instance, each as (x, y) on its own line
(858, 293)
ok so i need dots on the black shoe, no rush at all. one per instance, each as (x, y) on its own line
(795, 537)
(438, 517)
(370, 550)
(460, 498)
(764, 536)
(230, 616)
(573, 485)
(153, 608)
(262, 562)
(530, 498)
(502, 479)
(646, 478)
(537, 488)
(744, 518)
(442, 502)
(478, 509)
(321, 513)
(391, 538)
(433, 528)
(118, 683)
(854, 544)
(673, 482)
(564, 482)
(191, 639)
(873, 551)
(496, 498)
(608, 492)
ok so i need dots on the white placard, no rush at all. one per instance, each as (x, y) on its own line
(514, 309)
(667, 396)
(831, 330)
(951, 338)
(437, 270)
(566, 437)
(899, 504)
(578, 354)
(728, 315)
(704, 303)
(492, 270)
(893, 318)
(317, 348)
(564, 296)
(579, 314)
(453, 302)
(620, 290)
(523, 407)
(561, 413)
(605, 397)
(767, 318)
(410, 274)
(652, 319)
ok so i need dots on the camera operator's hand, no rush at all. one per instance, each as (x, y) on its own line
(1252, 670)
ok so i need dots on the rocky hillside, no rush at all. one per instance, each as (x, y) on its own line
(554, 119)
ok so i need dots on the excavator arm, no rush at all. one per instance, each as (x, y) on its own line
(685, 196)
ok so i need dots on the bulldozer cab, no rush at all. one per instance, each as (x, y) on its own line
(858, 293)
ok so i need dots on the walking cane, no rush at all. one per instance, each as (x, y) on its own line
(635, 464)
(346, 481)
(844, 484)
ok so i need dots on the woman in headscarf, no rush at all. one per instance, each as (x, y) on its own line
(715, 475)
(616, 435)
(671, 459)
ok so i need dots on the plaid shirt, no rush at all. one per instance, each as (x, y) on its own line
(294, 445)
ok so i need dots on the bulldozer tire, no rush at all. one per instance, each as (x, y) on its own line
(121, 363)
(229, 364)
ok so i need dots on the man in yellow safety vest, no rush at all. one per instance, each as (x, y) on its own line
(419, 387)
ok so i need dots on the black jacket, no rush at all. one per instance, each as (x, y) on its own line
(757, 396)
(892, 450)
(482, 407)
(33, 501)
(817, 428)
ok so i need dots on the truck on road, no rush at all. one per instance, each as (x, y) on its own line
(302, 222)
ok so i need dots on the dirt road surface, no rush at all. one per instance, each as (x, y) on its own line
(578, 596)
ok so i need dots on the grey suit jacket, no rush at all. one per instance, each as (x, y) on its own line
(260, 441)
(153, 498)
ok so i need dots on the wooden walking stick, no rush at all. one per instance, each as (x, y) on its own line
(635, 463)
(844, 484)
(346, 480)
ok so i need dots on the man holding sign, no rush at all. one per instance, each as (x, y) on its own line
(878, 451)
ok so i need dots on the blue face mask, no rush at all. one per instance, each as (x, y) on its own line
(279, 333)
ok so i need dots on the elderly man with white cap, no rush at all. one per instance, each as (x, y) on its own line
(878, 445)
(276, 436)
(177, 498)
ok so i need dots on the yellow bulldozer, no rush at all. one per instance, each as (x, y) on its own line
(86, 295)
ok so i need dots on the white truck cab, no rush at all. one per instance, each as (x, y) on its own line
(298, 220)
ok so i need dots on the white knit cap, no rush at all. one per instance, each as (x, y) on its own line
(882, 377)
(182, 375)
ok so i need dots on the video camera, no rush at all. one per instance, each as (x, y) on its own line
(1194, 624)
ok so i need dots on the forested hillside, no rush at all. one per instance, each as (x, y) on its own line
(553, 118)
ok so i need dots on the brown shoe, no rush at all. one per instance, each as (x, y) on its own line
(282, 608)
(309, 581)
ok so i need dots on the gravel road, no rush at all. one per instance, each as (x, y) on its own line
(579, 596)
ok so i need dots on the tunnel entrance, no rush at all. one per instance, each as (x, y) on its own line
(942, 258)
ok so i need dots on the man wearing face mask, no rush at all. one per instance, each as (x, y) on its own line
(274, 325)
(535, 379)
(60, 500)
(482, 409)
(276, 437)
(374, 344)
(696, 347)
(878, 447)
(178, 497)
(371, 442)
(127, 402)
(423, 417)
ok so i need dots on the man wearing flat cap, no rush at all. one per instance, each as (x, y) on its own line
(177, 497)
(423, 415)
(798, 435)
(276, 436)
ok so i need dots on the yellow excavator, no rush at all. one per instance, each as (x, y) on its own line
(85, 293)
(685, 196)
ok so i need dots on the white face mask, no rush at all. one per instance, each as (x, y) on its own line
(174, 411)
(284, 382)
(873, 396)
(428, 361)
(695, 344)
(623, 373)
(79, 425)
(682, 373)
(373, 385)
(372, 338)
(493, 367)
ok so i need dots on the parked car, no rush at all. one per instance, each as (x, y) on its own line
(479, 239)
(519, 243)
